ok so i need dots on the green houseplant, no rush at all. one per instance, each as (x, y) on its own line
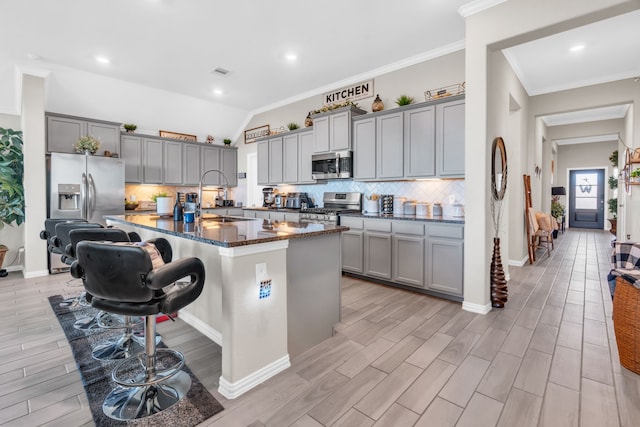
(11, 183)
(293, 126)
(130, 127)
(87, 143)
(612, 203)
(404, 100)
(226, 141)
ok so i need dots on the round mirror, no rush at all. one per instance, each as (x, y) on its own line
(498, 168)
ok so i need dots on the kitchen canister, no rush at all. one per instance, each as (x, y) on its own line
(386, 204)
(437, 209)
(422, 209)
(398, 205)
(409, 207)
(371, 206)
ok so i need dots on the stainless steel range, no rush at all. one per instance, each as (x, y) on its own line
(333, 205)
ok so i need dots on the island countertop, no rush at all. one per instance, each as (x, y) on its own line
(227, 231)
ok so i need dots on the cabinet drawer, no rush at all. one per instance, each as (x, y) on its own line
(380, 225)
(450, 231)
(408, 227)
(353, 223)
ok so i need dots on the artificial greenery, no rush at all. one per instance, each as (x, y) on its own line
(346, 103)
(11, 177)
(613, 207)
(160, 194)
(613, 182)
(404, 100)
(87, 143)
(130, 127)
(635, 173)
(226, 141)
(613, 158)
(293, 126)
(557, 208)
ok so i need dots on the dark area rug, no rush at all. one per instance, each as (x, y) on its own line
(197, 406)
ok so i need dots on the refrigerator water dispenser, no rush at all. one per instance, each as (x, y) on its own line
(69, 197)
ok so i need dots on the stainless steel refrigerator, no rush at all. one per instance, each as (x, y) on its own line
(85, 187)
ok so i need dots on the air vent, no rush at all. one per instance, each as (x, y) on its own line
(220, 71)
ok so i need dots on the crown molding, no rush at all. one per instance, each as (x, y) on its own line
(477, 6)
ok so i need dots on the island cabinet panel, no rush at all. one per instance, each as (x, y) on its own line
(364, 147)
(63, 132)
(420, 142)
(389, 144)
(263, 162)
(173, 163)
(305, 151)
(152, 156)
(131, 147)
(275, 160)
(450, 138)
(290, 159)
(191, 169)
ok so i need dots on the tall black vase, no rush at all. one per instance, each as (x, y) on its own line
(499, 289)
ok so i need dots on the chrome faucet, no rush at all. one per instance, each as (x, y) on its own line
(226, 185)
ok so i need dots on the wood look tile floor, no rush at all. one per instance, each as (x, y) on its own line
(549, 358)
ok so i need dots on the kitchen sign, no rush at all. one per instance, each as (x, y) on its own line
(352, 93)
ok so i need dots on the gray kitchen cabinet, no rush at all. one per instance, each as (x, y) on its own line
(332, 130)
(292, 217)
(420, 142)
(229, 165)
(444, 258)
(276, 216)
(63, 132)
(290, 159)
(352, 245)
(377, 248)
(390, 146)
(173, 165)
(275, 160)
(263, 162)
(408, 253)
(262, 214)
(108, 134)
(364, 147)
(191, 161)
(131, 147)
(450, 138)
(249, 214)
(305, 151)
(152, 164)
(210, 159)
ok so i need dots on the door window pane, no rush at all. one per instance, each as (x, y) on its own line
(586, 190)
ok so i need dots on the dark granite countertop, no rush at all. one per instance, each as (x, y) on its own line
(443, 219)
(234, 231)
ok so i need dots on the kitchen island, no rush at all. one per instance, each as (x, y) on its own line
(272, 288)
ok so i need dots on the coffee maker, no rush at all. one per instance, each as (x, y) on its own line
(268, 196)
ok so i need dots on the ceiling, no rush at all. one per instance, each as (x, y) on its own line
(175, 44)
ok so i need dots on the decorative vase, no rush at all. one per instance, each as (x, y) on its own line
(499, 289)
(308, 122)
(614, 225)
(377, 104)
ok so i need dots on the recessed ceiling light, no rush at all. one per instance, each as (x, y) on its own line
(577, 48)
(218, 91)
(291, 57)
(103, 59)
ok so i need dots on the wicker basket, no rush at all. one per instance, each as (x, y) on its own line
(626, 323)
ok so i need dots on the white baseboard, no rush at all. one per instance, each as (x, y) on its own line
(519, 263)
(32, 274)
(476, 308)
(233, 390)
(198, 324)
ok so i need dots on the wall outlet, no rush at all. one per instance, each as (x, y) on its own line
(452, 199)
(133, 197)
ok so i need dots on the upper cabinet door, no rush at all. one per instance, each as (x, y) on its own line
(229, 165)
(191, 168)
(210, 160)
(152, 161)
(340, 131)
(364, 147)
(263, 162)
(305, 151)
(390, 157)
(450, 139)
(275, 160)
(63, 133)
(420, 142)
(290, 159)
(109, 136)
(321, 134)
(131, 147)
(173, 162)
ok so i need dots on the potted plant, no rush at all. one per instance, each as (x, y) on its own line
(292, 126)
(11, 183)
(612, 203)
(635, 175)
(404, 100)
(557, 211)
(227, 141)
(130, 127)
(164, 203)
(87, 144)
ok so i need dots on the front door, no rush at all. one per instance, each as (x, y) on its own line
(586, 203)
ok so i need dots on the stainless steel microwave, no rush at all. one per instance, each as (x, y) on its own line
(338, 164)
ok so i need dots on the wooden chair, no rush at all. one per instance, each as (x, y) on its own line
(539, 225)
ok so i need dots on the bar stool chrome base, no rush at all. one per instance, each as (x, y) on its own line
(123, 347)
(129, 403)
